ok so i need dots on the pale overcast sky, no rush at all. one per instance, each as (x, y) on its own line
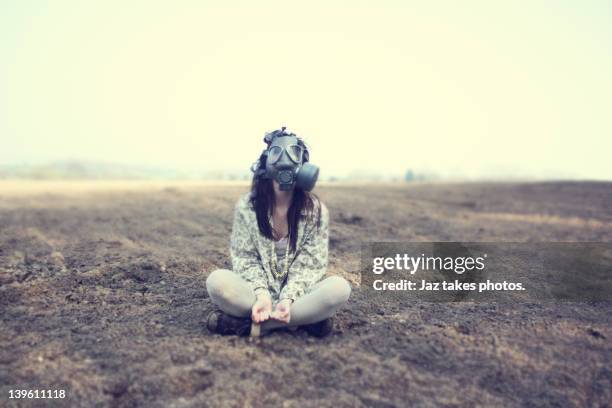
(470, 88)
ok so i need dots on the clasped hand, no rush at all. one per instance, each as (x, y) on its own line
(262, 310)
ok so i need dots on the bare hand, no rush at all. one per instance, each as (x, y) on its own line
(283, 311)
(261, 309)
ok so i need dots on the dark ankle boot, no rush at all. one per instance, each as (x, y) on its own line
(320, 329)
(225, 324)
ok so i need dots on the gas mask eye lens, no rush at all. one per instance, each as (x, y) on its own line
(295, 153)
(274, 153)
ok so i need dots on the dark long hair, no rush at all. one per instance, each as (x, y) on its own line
(262, 200)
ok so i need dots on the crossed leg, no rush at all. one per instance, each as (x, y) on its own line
(230, 292)
(234, 296)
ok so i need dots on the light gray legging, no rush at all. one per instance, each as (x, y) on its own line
(234, 296)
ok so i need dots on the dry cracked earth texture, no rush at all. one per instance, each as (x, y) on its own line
(102, 294)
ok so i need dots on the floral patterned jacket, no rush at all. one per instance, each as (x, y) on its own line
(251, 253)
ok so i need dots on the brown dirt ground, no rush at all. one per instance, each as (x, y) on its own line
(102, 294)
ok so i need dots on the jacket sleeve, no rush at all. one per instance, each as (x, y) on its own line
(245, 259)
(310, 265)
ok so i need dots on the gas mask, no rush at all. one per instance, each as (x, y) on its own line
(286, 161)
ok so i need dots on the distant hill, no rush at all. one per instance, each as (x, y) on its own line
(85, 170)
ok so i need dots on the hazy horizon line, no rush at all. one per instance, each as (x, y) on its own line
(85, 169)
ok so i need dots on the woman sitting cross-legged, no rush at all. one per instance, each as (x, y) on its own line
(279, 250)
